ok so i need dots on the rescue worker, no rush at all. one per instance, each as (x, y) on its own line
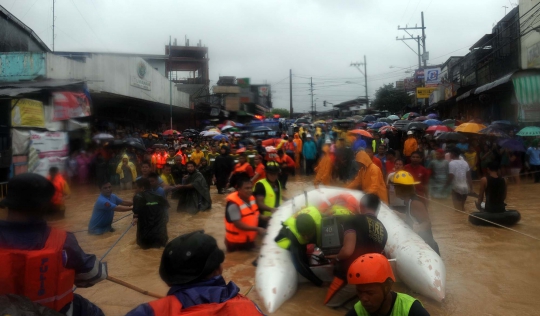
(360, 234)
(323, 171)
(416, 212)
(41, 262)
(369, 178)
(242, 217)
(188, 152)
(192, 265)
(410, 146)
(197, 155)
(251, 154)
(240, 168)
(260, 170)
(172, 157)
(61, 193)
(150, 215)
(287, 166)
(211, 156)
(298, 152)
(376, 142)
(267, 191)
(373, 278)
(161, 160)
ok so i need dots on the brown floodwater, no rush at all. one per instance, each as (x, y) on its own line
(490, 271)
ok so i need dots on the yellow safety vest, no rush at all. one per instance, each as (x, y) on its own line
(402, 306)
(270, 196)
(290, 223)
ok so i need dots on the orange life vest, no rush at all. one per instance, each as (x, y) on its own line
(59, 183)
(162, 160)
(238, 168)
(38, 274)
(179, 153)
(345, 199)
(239, 305)
(289, 146)
(250, 216)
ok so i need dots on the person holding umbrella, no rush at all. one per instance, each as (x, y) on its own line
(533, 153)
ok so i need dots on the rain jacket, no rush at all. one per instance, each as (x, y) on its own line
(310, 150)
(324, 168)
(410, 146)
(151, 211)
(131, 166)
(370, 178)
(298, 151)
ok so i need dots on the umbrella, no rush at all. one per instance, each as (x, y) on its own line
(432, 116)
(115, 143)
(529, 131)
(239, 125)
(262, 128)
(502, 122)
(385, 119)
(452, 136)
(209, 127)
(320, 122)
(432, 122)
(230, 123)
(170, 132)
(191, 130)
(226, 127)
(210, 133)
(385, 129)
(494, 130)
(379, 125)
(360, 132)
(409, 115)
(147, 135)
(416, 125)
(369, 118)
(451, 123)
(511, 144)
(470, 128)
(420, 119)
(440, 128)
(361, 124)
(394, 117)
(401, 124)
(135, 143)
(103, 136)
(220, 137)
(159, 146)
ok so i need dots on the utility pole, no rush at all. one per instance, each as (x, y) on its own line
(53, 25)
(364, 72)
(290, 94)
(170, 79)
(311, 88)
(421, 41)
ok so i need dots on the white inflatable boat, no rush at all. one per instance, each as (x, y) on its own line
(416, 264)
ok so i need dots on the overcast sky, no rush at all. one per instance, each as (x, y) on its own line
(262, 40)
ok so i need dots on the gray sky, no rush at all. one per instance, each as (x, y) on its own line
(262, 40)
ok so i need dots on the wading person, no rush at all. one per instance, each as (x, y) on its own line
(493, 187)
(194, 195)
(459, 178)
(323, 171)
(419, 173)
(373, 278)
(287, 167)
(61, 193)
(127, 172)
(267, 192)
(102, 215)
(439, 176)
(242, 217)
(416, 212)
(150, 215)
(41, 262)
(223, 166)
(192, 266)
(369, 178)
(260, 170)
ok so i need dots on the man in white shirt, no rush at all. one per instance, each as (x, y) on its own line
(459, 177)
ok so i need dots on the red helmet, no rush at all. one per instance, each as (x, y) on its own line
(370, 268)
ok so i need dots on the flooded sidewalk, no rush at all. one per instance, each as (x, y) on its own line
(490, 271)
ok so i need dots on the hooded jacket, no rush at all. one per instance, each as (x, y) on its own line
(131, 166)
(298, 142)
(370, 178)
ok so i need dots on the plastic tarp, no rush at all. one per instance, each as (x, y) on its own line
(20, 141)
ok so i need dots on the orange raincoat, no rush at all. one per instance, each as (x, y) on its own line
(324, 168)
(298, 141)
(370, 178)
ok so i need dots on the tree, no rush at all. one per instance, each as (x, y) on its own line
(391, 99)
(282, 113)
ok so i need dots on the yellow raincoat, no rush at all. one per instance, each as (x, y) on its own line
(370, 178)
(298, 141)
(324, 168)
(131, 166)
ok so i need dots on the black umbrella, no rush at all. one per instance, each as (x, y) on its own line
(191, 130)
(160, 146)
(401, 124)
(451, 136)
(262, 128)
(417, 126)
(369, 118)
(386, 120)
(495, 130)
(115, 143)
(135, 143)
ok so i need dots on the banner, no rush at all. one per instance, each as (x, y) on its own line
(70, 105)
(433, 76)
(49, 144)
(45, 164)
(26, 112)
(419, 75)
(424, 93)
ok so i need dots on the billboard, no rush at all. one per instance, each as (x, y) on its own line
(433, 77)
(69, 105)
(49, 144)
(424, 93)
(400, 85)
(28, 113)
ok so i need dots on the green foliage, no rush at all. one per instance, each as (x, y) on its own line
(390, 99)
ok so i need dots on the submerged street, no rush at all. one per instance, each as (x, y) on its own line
(488, 269)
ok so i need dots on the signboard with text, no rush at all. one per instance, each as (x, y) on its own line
(26, 112)
(424, 93)
(141, 77)
(69, 105)
(49, 144)
(433, 77)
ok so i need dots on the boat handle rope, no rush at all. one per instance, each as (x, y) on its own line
(121, 218)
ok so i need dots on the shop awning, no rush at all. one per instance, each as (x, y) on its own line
(465, 95)
(12, 89)
(495, 83)
(527, 90)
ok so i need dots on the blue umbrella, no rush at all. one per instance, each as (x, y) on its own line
(378, 125)
(432, 116)
(220, 137)
(512, 144)
(432, 122)
(239, 125)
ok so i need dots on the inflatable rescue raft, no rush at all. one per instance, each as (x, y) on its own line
(416, 264)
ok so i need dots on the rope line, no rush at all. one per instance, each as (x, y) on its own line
(116, 242)
(506, 177)
(85, 230)
(485, 220)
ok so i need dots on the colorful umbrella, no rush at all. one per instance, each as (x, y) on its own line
(470, 128)
(103, 136)
(360, 132)
(494, 130)
(432, 116)
(369, 118)
(378, 125)
(147, 135)
(416, 126)
(511, 144)
(451, 123)
(170, 132)
(440, 128)
(420, 119)
(529, 131)
(385, 129)
(451, 136)
(210, 133)
(320, 122)
(409, 115)
(220, 137)
(401, 124)
(385, 119)
(432, 122)
(393, 117)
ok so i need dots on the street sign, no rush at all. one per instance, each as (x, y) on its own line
(424, 93)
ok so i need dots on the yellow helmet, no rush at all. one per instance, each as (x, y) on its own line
(404, 178)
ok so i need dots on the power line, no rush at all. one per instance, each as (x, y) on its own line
(28, 9)
(88, 24)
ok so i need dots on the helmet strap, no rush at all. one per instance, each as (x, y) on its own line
(386, 293)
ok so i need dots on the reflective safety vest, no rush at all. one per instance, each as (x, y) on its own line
(161, 160)
(235, 158)
(238, 168)
(250, 216)
(38, 274)
(212, 158)
(290, 224)
(401, 307)
(270, 198)
(238, 305)
(251, 154)
(374, 144)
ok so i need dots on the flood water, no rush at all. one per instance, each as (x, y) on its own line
(490, 271)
